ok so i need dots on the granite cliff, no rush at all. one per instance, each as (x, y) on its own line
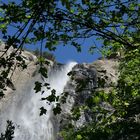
(99, 75)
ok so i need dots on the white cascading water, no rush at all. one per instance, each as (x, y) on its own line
(24, 111)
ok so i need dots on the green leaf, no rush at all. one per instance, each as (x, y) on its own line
(96, 100)
(126, 104)
(77, 46)
(92, 49)
(57, 109)
(122, 27)
(44, 72)
(72, 10)
(42, 111)
(52, 97)
(79, 137)
(38, 86)
(50, 45)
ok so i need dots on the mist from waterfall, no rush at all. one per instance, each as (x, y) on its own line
(24, 111)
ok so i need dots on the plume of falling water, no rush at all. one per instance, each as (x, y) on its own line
(24, 111)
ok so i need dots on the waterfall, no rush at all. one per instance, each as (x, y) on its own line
(23, 109)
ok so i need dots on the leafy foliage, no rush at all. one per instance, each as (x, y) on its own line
(120, 120)
(115, 23)
(42, 111)
(9, 132)
(51, 23)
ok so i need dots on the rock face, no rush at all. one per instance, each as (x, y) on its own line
(100, 75)
(21, 79)
(18, 75)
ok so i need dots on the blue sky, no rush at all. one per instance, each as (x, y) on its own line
(68, 53)
(63, 54)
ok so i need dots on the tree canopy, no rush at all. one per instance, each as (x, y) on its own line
(53, 22)
(116, 23)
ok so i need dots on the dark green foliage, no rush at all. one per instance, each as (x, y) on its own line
(76, 113)
(52, 97)
(114, 22)
(101, 82)
(9, 132)
(121, 121)
(38, 86)
(63, 98)
(42, 111)
(57, 109)
(43, 71)
(50, 24)
(47, 85)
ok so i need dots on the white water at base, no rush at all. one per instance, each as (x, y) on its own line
(24, 110)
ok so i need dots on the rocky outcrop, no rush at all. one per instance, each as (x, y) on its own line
(85, 79)
(21, 79)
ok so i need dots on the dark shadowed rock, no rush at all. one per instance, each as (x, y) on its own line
(85, 79)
